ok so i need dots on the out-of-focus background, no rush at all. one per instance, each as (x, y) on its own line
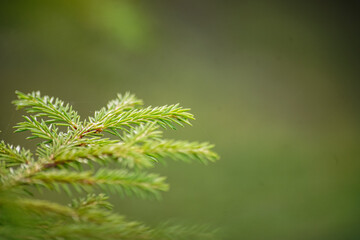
(274, 84)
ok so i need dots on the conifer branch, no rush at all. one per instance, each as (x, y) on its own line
(181, 150)
(165, 116)
(14, 156)
(87, 220)
(61, 156)
(38, 129)
(91, 201)
(139, 156)
(46, 207)
(117, 106)
(127, 156)
(141, 134)
(121, 181)
(53, 108)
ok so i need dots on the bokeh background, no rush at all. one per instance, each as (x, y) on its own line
(274, 84)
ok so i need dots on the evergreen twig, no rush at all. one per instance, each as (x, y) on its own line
(63, 153)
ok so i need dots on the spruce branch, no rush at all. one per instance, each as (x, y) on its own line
(92, 201)
(62, 156)
(127, 156)
(14, 156)
(121, 181)
(141, 155)
(54, 109)
(89, 219)
(41, 207)
(165, 116)
(181, 150)
(141, 134)
(115, 107)
(39, 129)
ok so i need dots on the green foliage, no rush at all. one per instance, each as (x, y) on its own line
(67, 145)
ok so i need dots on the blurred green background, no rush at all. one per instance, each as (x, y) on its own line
(274, 84)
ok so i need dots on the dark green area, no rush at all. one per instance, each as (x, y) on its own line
(273, 84)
